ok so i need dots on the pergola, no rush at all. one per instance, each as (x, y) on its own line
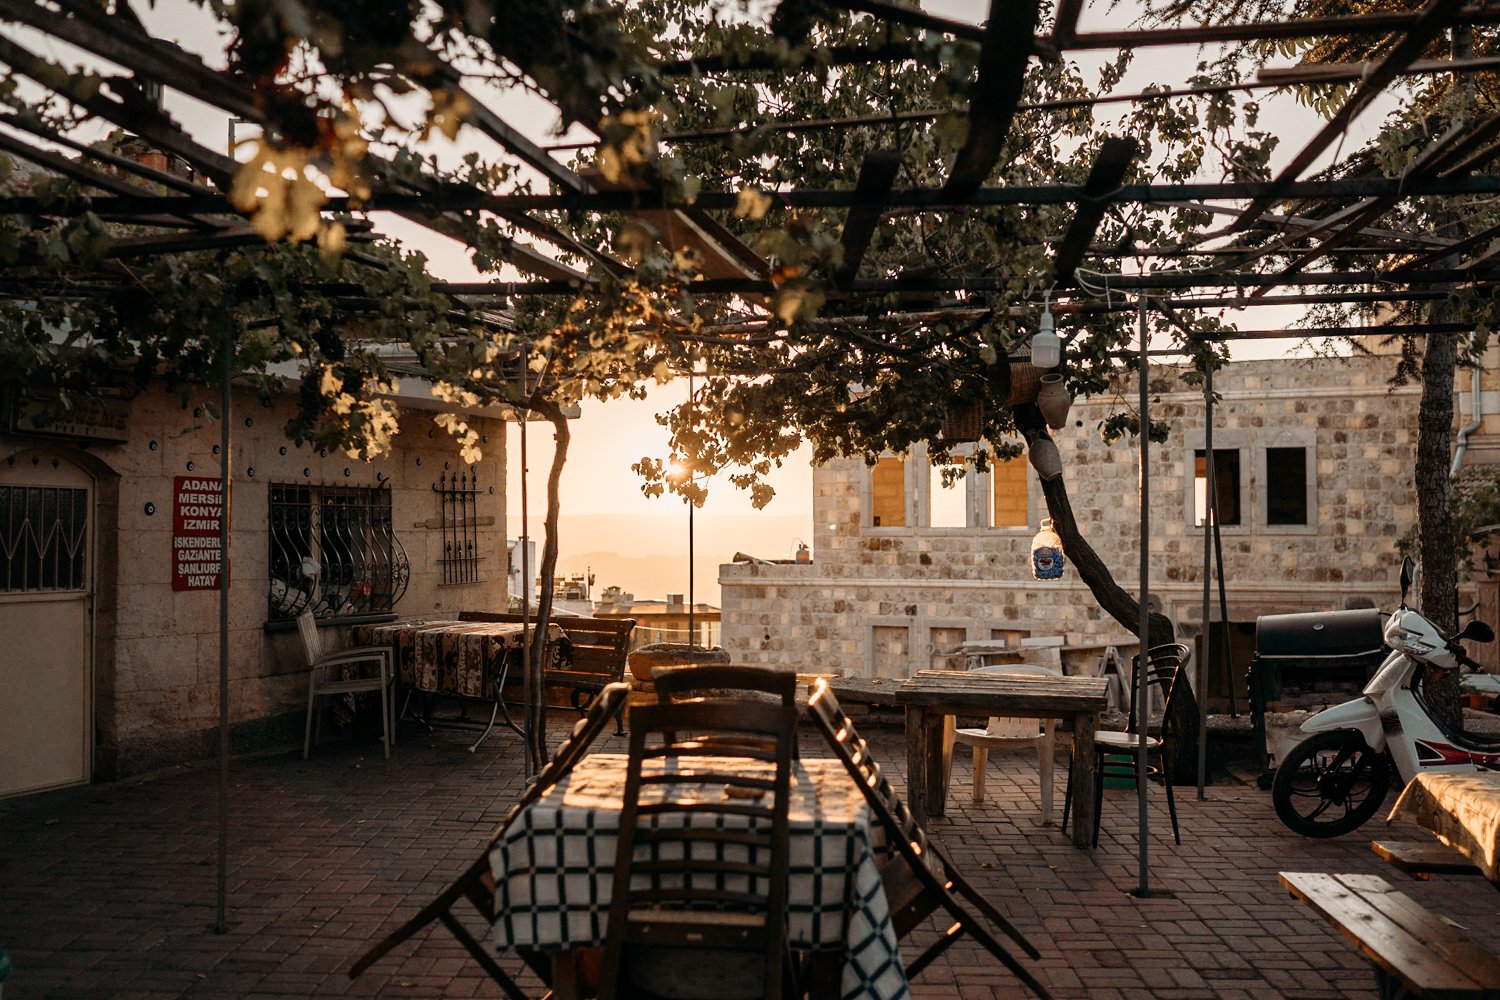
(1294, 220)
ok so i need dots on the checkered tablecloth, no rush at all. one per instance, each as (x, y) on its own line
(554, 870)
(453, 657)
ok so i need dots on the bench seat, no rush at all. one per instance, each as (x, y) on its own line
(1423, 858)
(1413, 951)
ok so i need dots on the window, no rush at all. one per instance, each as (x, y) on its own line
(947, 506)
(42, 534)
(1009, 481)
(888, 493)
(1226, 485)
(1286, 486)
(459, 519)
(334, 550)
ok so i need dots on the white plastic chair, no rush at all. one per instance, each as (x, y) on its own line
(323, 681)
(1011, 733)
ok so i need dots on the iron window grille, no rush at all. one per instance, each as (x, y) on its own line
(459, 518)
(43, 536)
(334, 550)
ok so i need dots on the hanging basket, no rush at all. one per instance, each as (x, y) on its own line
(964, 423)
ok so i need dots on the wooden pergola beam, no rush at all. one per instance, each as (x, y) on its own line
(1002, 71)
(876, 175)
(1107, 173)
(1436, 16)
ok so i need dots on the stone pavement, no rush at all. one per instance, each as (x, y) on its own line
(108, 891)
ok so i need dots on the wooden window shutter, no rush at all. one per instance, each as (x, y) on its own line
(1010, 481)
(888, 493)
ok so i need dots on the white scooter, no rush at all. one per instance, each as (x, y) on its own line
(1336, 779)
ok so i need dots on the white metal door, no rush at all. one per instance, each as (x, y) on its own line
(46, 673)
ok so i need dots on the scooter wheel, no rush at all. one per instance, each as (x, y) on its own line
(1330, 784)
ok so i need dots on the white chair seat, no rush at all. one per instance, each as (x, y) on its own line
(1112, 740)
(1014, 733)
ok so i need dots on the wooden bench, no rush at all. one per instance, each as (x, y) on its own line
(599, 647)
(1413, 951)
(1423, 858)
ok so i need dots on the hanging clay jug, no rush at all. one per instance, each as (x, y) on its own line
(1053, 400)
(1046, 459)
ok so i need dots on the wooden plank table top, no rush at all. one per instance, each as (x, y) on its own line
(933, 697)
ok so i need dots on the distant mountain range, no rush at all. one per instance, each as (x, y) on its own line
(646, 554)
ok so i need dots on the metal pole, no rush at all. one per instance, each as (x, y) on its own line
(692, 639)
(1203, 651)
(527, 694)
(225, 474)
(1142, 714)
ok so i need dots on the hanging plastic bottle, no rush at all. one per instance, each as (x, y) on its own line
(1046, 553)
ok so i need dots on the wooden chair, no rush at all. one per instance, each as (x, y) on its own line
(477, 884)
(723, 679)
(323, 681)
(920, 879)
(1166, 673)
(1005, 733)
(698, 906)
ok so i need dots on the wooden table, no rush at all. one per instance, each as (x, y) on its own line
(1462, 810)
(932, 697)
(458, 658)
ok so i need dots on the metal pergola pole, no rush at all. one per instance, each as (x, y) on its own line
(225, 474)
(1207, 634)
(1142, 713)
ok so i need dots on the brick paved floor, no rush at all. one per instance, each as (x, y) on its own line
(109, 891)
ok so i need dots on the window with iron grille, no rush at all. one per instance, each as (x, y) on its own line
(43, 535)
(458, 495)
(334, 550)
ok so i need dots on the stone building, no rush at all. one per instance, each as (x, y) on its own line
(108, 597)
(1315, 462)
(661, 621)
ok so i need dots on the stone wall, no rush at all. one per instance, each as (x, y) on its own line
(883, 601)
(157, 651)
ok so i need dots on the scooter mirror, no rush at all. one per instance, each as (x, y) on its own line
(1408, 570)
(1477, 631)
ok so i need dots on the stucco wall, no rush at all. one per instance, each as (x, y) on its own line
(881, 601)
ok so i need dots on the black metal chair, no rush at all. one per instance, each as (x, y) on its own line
(919, 880)
(1166, 673)
(698, 907)
(477, 884)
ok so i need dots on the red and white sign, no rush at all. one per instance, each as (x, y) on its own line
(197, 510)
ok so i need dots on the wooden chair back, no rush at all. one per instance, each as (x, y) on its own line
(698, 907)
(920, 879)
(723, 680)
(477, 883)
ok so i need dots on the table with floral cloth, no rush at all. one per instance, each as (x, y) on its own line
(460, 658)
(1462, 809)
(554, 869)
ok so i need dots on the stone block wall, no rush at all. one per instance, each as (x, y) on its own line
(156, 654)
(883, 601)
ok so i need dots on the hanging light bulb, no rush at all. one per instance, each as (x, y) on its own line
(1046, 349)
